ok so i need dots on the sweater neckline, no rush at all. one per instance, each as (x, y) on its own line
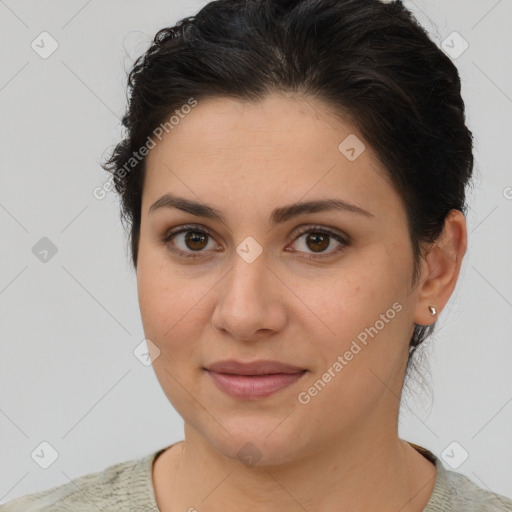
(141, 482)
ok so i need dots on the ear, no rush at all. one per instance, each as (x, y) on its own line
(440, 268)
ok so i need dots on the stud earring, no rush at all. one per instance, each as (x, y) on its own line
(433, 310)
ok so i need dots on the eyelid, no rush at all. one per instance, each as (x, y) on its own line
(169, 234)
(306, 228)
(184, 228)
(344, 239)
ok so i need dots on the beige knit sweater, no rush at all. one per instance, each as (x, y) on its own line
(128, 487)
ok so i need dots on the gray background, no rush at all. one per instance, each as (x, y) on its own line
(69, 326)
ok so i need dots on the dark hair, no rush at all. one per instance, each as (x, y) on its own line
(370, 61)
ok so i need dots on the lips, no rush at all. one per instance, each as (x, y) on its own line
(254, 380)
(261, 367)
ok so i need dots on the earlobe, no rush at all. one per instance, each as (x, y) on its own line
(443, 263)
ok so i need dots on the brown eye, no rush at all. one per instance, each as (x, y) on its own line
(192, 242)
(317, 241)
(196, 240)
(189, 241)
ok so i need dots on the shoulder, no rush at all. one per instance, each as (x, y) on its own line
(455, 492)
(467, 496)
(118, 487)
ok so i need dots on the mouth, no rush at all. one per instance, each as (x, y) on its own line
(260, 367)
(253, 380)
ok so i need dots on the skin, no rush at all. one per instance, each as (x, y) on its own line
(340, 451)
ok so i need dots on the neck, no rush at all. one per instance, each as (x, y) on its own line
(361, 471)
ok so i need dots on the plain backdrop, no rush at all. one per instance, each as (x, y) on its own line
(70, 324)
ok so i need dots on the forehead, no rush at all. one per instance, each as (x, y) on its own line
(259, 152)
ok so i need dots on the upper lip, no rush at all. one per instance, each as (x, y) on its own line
(260, 367)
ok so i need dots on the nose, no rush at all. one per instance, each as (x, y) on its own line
(251, 301)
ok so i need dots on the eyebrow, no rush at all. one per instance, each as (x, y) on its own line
(278, 216)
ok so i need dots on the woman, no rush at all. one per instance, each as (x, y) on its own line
(293, 177)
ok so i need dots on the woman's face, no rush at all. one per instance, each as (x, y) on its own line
(270, 283)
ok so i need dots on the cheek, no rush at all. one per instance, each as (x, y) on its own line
(170, 304)
(360, 363)
(351, 301)
(366, 317)
(161, 296)
(169, 316)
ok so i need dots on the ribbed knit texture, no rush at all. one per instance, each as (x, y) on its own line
(128, 487)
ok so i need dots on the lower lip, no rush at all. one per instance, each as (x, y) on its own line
(253, 386)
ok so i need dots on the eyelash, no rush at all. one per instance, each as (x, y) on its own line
(309, 229)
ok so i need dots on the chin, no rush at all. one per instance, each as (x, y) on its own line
(257, 444)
